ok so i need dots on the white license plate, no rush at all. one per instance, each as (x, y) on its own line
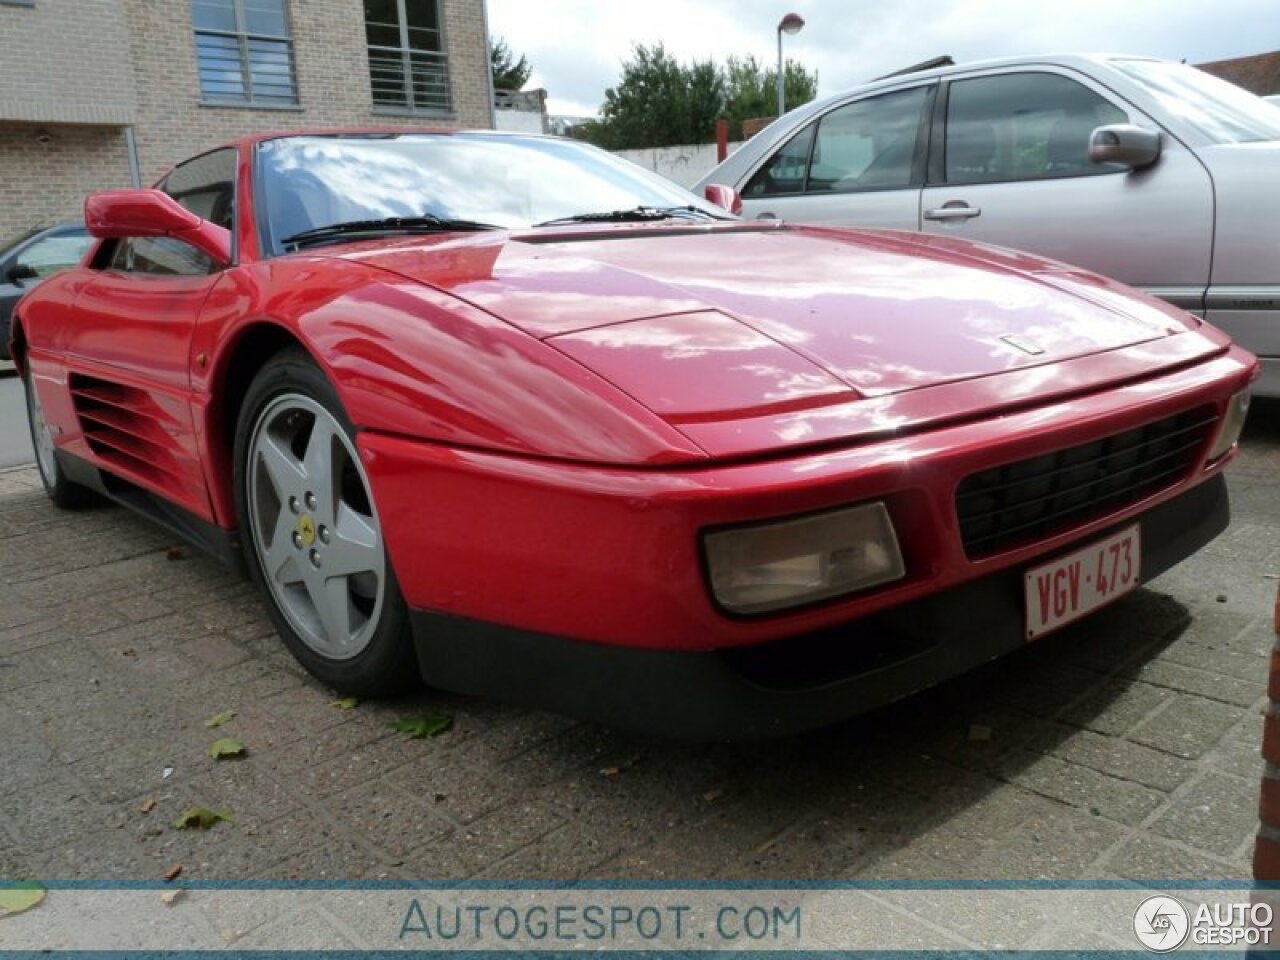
(1072, 586)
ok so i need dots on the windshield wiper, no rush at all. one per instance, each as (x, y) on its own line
(427, 223)
(634, 215)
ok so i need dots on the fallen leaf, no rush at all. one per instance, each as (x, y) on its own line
(432, 725)
(19, 898)
(626, 764)
(346, 703)
(148, 805)
(129, 653)
(175, 553)
(201, 817)
(168, 896)
(166, 773)
(978, 732)
(225, 747)
(768, 844)
(173, 872)
(218, 719)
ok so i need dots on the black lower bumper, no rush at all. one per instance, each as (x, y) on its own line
(785, 685)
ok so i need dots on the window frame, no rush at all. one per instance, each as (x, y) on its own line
(937, 167)
(405, 53)
(811, 128)
(242, 36)
(162, 185)
(105, 257)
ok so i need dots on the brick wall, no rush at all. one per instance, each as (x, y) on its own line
(60, 62)
(46, 170)
(162, 92)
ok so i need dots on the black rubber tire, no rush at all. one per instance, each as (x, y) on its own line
(388, 665)
(64, 492)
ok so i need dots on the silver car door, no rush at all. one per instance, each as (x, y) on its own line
(861, 164)
(1015, 171)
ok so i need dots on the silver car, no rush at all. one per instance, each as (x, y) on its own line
(1152, 172)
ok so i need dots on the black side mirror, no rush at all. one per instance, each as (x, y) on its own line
(22, 271)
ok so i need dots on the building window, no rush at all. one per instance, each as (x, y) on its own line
(408, 66)
(243, 52)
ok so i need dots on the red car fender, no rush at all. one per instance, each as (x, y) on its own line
(411, 361)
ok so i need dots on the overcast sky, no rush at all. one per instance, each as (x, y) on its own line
(576, 47)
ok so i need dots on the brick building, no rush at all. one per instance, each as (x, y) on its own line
(96, 93)
(1258, 74)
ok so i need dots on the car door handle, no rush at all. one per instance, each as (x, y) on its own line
(952, 213)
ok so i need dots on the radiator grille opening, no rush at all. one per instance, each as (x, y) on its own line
(1017, 503)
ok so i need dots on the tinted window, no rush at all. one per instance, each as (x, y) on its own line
(1023, 126)
(206, 186)
(869, 144)
(784, 173)
(408, 63)
(866, 145)
(159, 256)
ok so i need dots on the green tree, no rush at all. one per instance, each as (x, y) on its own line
(659, 102)
(508, 72)
(751, 90)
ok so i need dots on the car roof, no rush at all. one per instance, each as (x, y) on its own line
(1042, 59)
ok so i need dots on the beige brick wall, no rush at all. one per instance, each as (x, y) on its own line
(45, 171)
(157, 44)
(60, 61)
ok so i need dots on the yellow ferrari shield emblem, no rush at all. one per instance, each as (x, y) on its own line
(307, 529)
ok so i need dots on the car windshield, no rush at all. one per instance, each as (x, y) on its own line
(509, 181)
(1221, 111)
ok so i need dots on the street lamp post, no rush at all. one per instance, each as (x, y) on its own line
(792, 23)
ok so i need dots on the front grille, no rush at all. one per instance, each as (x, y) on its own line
(1009, 506)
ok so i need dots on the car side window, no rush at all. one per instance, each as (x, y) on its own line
(868, 144)
(54, 253)
(785, 171)
(159, 256)
(206, 186)
(1023, 126)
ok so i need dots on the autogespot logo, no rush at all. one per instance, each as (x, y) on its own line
(1161, 924)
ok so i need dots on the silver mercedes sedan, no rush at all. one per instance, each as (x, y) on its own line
(1151, 172)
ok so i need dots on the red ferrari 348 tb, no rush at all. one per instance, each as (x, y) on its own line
(516, 417)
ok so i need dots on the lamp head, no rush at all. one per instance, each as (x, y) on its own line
(792, 23)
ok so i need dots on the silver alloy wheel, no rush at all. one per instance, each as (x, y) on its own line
(314, 527)
(43, 436)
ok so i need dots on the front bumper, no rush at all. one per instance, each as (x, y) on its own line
(786, 685)
(612, 554)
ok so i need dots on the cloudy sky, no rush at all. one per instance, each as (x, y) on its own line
(577, 47)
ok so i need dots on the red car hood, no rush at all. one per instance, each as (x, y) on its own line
(743, 320)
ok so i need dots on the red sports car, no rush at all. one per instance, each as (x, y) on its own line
(516, 417)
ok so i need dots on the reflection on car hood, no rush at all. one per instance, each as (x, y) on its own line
(829, 311)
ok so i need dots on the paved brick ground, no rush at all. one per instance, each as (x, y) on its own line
(1127, 747)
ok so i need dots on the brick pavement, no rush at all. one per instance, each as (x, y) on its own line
(1124, 747)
